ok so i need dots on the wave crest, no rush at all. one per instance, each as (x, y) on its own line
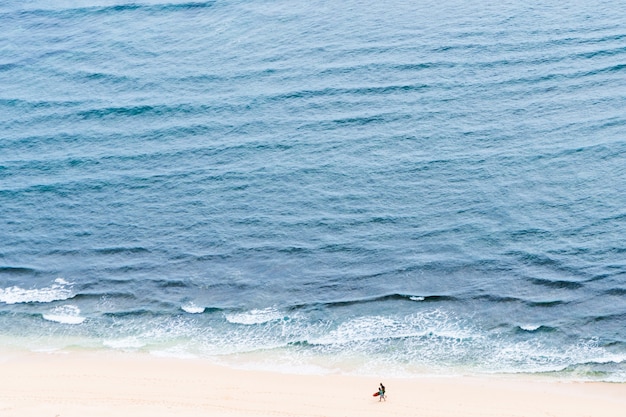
(67, 314)
(58, 291)
(256, 316)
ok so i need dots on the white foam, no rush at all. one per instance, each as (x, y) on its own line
(67, 314)
(430, 324)
(256, 316)
(611, 358)
(127, 343)
(362, 329)
(61, 281)
(416, 298)
(56, 292)
(530, 327)
(192, 308)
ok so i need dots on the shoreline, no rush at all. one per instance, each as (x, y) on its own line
(77, 384)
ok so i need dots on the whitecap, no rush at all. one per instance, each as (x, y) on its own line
(416, 298)
(67, 314)
(530, 327)
(192, 308)
(256, 316)
(61, 281)
(56, 292)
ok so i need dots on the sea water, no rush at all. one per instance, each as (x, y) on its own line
(389, 188)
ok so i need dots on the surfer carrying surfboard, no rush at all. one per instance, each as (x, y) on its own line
(381, 393)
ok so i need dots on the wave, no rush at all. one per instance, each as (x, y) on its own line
(255, 316)
(570, 285)
(16, 270)
(344, 91)
(380, 298)
(159, 7)
(616, 291)
(129, 111)
(548, 303)
(60, 290)
(608, 368)
(8, 67)
(66, 314)
(116, 8)
(535, 328)
(84, 295)
(497, 298)
(617, 317)
(381, 118)
(138, 312)
(430, 339)
(192, 308)
(432, 324)
(132, 250)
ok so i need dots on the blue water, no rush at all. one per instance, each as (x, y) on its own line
(399, 187)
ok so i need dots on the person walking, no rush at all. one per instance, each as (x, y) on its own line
(381, 393)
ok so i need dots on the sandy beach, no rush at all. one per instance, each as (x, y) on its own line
(89, 384)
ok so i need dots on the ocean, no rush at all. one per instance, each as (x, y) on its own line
(395, 188)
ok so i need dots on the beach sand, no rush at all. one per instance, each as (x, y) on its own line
(103, 384)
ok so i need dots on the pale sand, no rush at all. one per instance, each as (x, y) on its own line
(92, 385)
